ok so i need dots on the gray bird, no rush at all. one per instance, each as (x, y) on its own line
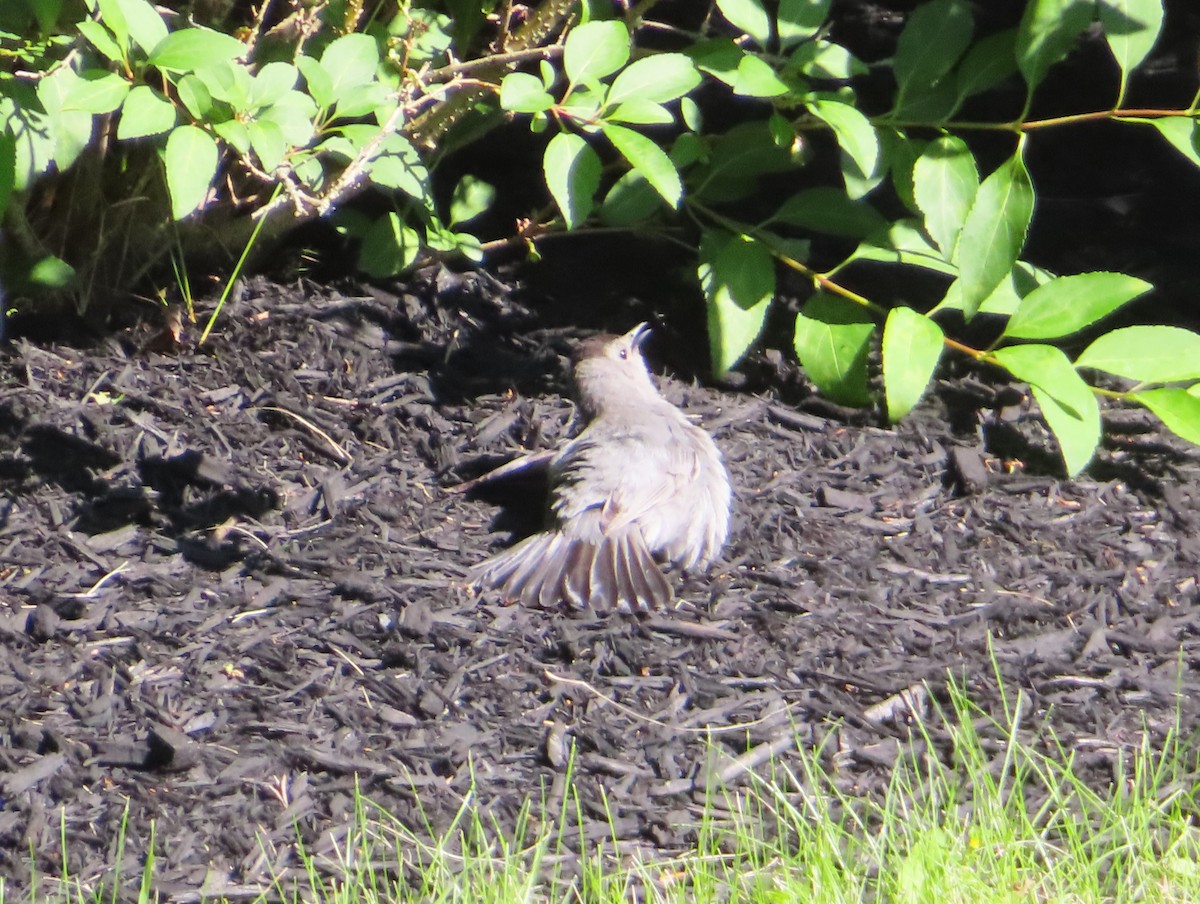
(639, 486)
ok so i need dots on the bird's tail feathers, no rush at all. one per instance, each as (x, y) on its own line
(550, 569)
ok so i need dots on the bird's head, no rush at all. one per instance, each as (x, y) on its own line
(610, 370)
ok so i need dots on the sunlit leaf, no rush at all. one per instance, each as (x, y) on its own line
(994, 232)
(1148, 354)
(1069, 303)
(912, 345)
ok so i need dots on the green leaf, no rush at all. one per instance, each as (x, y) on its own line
(832, 341)
(1148, 354)
(8, 169)
(928, 103)
(1067, 403)
(935, 36)
(735, 162)
(266, 138)
(1178, 409)
(191, 162)
(1048, 31)
(234, 133)
(738, 277)
(52, 273)
(648, 159)
(748, 16)
(195, 96)
(1131, 28)
(902, 152)
(854, 132)
(471, 197)
(799, 20)
(350, 62)
(821, 59)
(113, 18)
(93, 91)
(361, 100)
(142, 22)
(719, 57)
(630, 201)
(595, 50)
(318, 81)
(70, 130)
(903, 244)
(988, 63)
(521, 92)
(1007, 296)
(572, 171)
(102, 39)
(1183, 133)
(945, 182)
(657, 79)
(388, 248)
(756, 78)
(829, 210)
(400, 167)
(912, 345)
(294, 114)
(272, 82)
(994, 232)
(641, 112)
(190, 49)
(1069, 303)
(145, 112)
(228, 81)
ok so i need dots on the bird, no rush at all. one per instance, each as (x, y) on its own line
(641, 487)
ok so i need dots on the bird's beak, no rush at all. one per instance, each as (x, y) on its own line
(638, 335)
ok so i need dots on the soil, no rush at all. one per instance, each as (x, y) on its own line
(233, 592)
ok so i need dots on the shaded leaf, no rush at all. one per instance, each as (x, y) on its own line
(737, 275)
(934, 37)
(832, 341)
(830, 210)
(191, 161)
(1067, 403)
(1048, 31)
(389, 247)
(1131, 28)
(988, 63)
(799, 20)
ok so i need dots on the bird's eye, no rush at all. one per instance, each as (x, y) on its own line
(623, 353)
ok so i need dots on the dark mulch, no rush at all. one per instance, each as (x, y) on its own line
(232, 591)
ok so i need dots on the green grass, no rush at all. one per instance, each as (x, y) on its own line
(1000, 816)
